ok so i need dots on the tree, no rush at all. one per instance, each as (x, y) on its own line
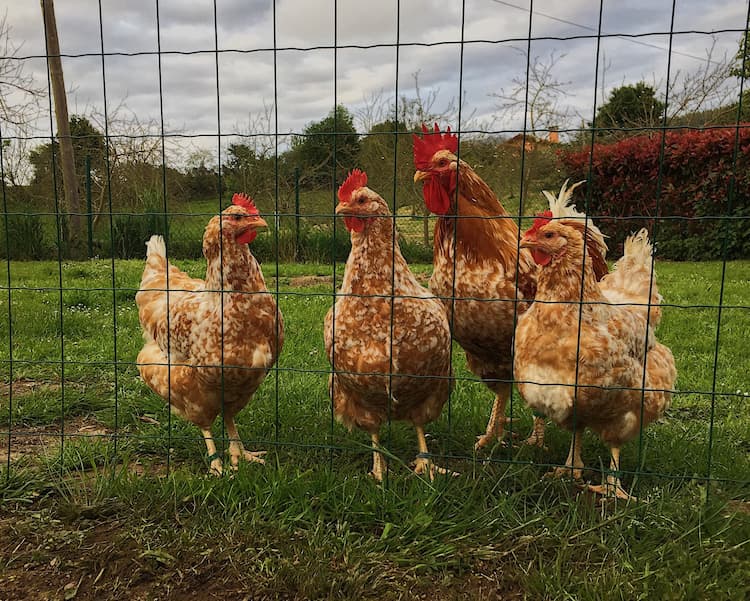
(535, 103)
(741, 66)
(314, 150)
(630, 106)
(541, 104)
(88, 141)
(19, 108)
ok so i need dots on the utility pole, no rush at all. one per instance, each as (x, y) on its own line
(72, 201)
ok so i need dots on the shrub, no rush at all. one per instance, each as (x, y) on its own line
(694, 206)
(26, 239)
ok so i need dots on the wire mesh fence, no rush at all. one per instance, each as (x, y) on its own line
(72, 316)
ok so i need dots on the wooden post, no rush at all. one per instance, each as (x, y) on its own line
(72, 202)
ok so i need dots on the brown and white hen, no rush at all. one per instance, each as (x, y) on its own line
(210, 343)
(387, 337)
(582, 347)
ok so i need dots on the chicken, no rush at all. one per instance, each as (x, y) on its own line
(209, 344)
(477, 261)
(387, 337)
(592, 376)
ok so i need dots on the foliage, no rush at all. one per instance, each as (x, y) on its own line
(696, 181)
(132, 230)
(630, 106)
(26, 239)
(314, 150)
(741, 67)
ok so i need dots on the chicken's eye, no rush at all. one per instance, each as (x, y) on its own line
(549, 235)
(443, 163)
(236, 217)
(361, 200)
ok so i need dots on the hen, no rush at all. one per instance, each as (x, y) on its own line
(209, 344)
(387, 337)
(580, 354)
(476, 260)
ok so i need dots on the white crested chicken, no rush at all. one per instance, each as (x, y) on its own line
(387, 337)
(478, 271)
(582, 347)
(210, 343)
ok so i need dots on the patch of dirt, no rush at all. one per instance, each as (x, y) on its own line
(23, 386)
(304, 281)
(27, 441)
(739, 507)
(100, 555)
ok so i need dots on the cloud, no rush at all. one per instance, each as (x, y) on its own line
(428, 29)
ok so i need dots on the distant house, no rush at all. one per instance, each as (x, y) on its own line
(530, 141)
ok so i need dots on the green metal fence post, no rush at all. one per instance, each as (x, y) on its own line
(89, 215)
(296, 213)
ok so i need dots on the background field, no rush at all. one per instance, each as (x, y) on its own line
(103, 489)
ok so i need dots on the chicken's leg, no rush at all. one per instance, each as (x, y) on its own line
(496, 424)
(213, 456)
(423, 464)
(379, 466)
(536, 438)
(236, 448)
(612, 487)
(574, 462)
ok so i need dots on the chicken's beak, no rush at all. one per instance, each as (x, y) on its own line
(420, 176)
(528, 242)
(258, 223)
(342, 209)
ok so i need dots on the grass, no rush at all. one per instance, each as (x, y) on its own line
(123, 508)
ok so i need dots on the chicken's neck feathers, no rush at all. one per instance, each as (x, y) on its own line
(375, 253)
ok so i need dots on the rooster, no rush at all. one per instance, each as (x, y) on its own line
(210, 343)
(387, 337)
(580, 354)
(478, 270)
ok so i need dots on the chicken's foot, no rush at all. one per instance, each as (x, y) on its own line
(214, 458)
(423, 464)
(237, 449)
(536, 438)
(574, 463)
(379, 466)
(497, 421)
(612, 487)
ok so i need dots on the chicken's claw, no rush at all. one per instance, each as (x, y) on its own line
(611, 491)
(423, 465)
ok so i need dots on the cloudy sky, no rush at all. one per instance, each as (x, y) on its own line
(307, 84)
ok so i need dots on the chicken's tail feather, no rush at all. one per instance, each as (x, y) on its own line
(633, 277)
(638, 249)
(156, 246)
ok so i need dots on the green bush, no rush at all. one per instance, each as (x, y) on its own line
(26, 238)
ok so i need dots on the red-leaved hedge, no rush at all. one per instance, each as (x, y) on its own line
(684, 204)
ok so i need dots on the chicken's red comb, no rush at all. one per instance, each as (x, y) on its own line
(243, 200)
(426, 146)
(356, 179)
(541, 220)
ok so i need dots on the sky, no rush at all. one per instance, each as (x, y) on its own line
(309, 82)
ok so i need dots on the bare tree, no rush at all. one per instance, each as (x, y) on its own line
(543, 108)
(705, 88)
(19, 107)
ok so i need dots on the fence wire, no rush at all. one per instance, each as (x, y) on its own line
(314, 235)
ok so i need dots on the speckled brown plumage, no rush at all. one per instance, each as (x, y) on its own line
(476, 259)
(360, 334)
(607, 359)
(232, 304)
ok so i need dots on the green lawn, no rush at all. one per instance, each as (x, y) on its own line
(126, 498)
